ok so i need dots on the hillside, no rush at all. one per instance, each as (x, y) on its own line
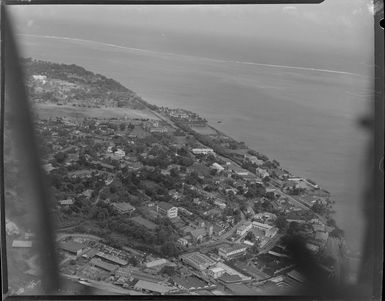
(73, 85)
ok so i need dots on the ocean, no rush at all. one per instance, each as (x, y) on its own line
(304, 118)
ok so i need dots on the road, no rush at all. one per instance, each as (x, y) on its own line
(102, 285)
(61, 236)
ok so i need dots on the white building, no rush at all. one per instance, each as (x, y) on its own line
(202, 151)
(167, 209)
(120, 153)
(262, 173)
(41, 78)
(218, 167)
(216, 272)
(229, 252)
(220, 204)
(243, 229)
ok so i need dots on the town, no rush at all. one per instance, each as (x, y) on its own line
(168, 205)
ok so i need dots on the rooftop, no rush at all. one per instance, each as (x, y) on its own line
(191, 282)
(123, 206)
(103, 265)
(151, 286)
(22, 244)
(240, 289)
(71, 246)
(165, 205)
(198, 258)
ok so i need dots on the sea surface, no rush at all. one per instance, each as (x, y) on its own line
(304, 118)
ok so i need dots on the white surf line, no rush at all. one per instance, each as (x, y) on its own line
(191, 56)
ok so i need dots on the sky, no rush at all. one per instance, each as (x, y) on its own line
(343, 28)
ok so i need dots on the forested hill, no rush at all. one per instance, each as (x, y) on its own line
(73, 85)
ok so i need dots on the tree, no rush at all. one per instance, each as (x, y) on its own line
(250, 236)
(169, 249)
(133, 261)
(168, 270)
(60, 157)
(281, 223)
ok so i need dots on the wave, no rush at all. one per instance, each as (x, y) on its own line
(141, 50)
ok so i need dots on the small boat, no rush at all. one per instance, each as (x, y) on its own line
(219, 121)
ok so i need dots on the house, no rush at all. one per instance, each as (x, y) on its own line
(167, 209)
(123, 208)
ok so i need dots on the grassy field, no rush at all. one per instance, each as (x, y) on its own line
(45, 111)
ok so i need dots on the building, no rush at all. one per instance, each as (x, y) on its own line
(167, 209)
(198, 234)
(67, 202)
(240, 289)
(197, 260)
(261, 173)
(158, 130)
(123, 208)
(230, 252)
(104, 265)
(271, 232)
(183, 242)
(190, 283)
(243, 229)
(156, 263)
(120, 153)
(253, 159)
(202, 151)
(22, 243)
(215, 272)
(72, 247)
(220, 204)
(152, 287)
(217, 167)
(111, 258)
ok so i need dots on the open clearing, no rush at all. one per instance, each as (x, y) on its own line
(46, 111)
